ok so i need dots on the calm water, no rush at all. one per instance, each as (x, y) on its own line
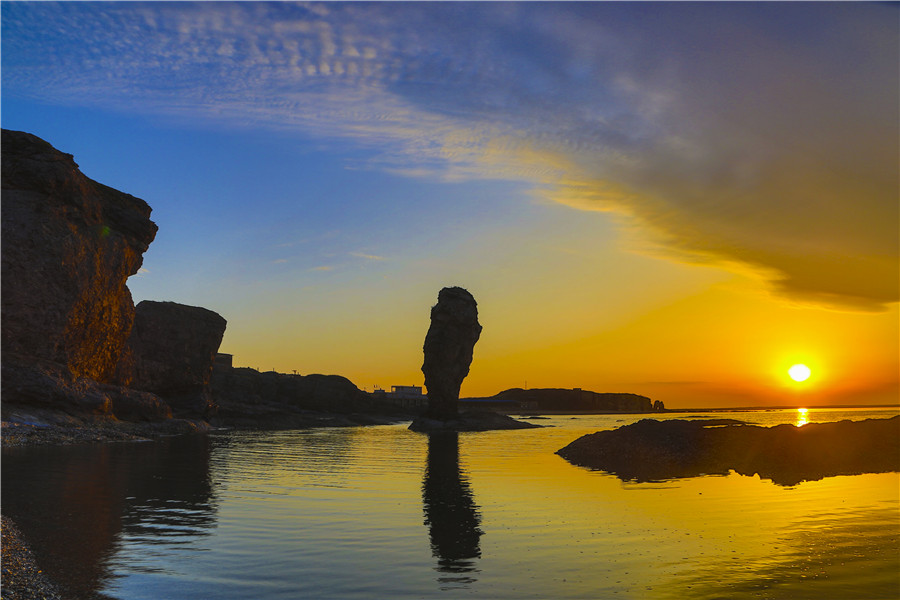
(381, 512)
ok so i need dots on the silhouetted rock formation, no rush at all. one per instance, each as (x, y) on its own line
(450, 510)
(575, 400)
(484, 420)
(652, 450)
(68, 246)
(171, 352)
(448, 350)
(249, 399)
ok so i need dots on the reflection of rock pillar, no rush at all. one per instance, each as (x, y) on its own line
(450, 511)
(448, 350)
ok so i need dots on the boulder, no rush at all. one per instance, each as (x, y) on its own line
(171, 352)
(448, 350)
(68, 246)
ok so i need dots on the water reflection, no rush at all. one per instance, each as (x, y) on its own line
(450, 512)
(78, 505)
(802, 417)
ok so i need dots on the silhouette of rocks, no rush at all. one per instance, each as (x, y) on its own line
(576, 400)
(470, 421)
(68, 246)
(171, 352)
(448, 350)
(249, 399)
(651, 450)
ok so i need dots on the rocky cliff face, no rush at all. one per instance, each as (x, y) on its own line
(68, 246)
(170, 352)
(448, 350)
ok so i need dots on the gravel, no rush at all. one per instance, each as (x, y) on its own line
(22, 578)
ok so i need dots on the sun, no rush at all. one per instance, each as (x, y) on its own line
(799, 372)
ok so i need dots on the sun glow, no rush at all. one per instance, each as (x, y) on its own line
(799, 372)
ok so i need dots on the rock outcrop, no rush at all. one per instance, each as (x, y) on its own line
(448, 350)
(68, 246)
(576, 400)
(483, 420)
(249, 399)
(170, 353)
(651, 450)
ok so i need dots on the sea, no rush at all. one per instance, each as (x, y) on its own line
(383, 512)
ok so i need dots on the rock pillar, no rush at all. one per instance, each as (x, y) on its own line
(448, 350)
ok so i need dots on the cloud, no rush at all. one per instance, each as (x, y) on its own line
(761, 137)
(367, 256)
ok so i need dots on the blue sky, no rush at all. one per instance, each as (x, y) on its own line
(319, 170)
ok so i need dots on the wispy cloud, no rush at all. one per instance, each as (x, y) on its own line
(367, 256)
(760, 137)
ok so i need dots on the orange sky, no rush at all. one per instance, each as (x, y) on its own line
(672, 199)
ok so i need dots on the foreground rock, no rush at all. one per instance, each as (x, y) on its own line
(652, 450)
(448, 350)
(470, 421)
(68, 246)
(170, 352)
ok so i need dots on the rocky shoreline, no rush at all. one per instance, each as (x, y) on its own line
(22, 578)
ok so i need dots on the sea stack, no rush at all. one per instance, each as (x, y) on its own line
(448, 350)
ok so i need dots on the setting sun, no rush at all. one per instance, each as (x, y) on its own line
(799, 372)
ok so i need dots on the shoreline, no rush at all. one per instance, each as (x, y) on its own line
(23, 579)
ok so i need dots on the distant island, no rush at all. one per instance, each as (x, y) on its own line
(576, 400)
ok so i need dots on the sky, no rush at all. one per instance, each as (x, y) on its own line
(679, 200)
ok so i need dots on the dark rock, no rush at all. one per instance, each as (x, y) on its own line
(470, 421)
(247, 398)
(171, 352)
(651, 450)
(49, 385)
(68, 246)
(574, 400)
(448, 350)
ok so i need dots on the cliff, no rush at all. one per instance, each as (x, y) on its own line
(651, 450)
(68, 246)
(170, 352)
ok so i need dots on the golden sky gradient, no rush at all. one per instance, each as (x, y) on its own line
(679, 200)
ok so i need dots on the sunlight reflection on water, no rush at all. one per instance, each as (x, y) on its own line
(384, 512)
